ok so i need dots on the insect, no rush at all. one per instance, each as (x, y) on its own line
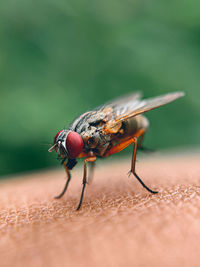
(107, 130)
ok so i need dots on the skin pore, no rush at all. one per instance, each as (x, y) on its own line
(119, 224)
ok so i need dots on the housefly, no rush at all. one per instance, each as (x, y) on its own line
(107, 130)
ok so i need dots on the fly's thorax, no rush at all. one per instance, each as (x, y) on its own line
(134, 124)
(95, 141)
(87, 120)
(90, 137)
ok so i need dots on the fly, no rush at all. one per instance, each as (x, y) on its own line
(107, 130)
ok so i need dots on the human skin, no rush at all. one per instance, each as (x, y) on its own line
(119, 224)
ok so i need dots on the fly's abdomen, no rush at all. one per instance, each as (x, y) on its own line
(133, 125)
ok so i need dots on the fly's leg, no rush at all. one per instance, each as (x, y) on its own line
(90, 159)
(141, 141)
(120, 146)
(67, 182)
(123, 145)
(133, 167)
(143, 148)
(91, 173)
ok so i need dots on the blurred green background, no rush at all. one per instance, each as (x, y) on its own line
(61, 58)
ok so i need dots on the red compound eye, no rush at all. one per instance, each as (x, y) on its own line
(74, 144)
(57, 136)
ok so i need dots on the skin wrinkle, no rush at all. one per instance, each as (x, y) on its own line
(120, 223)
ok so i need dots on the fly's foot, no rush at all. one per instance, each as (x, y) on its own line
(65, 188)
(129, 173)
(58, 197)
(143, 184)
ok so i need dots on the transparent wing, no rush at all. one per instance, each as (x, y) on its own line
(120, 102)
(130, 109)
(105, 112)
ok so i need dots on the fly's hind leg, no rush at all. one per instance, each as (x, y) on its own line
(90, 159)
(143, 148)
(140, 146)
(123, 145)
(134, 161)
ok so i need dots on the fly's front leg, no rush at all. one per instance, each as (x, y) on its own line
(67, 182)
(91, 172)
(133, 167)
(90, 159)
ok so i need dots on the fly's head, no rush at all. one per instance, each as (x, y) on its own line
(68, 144)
